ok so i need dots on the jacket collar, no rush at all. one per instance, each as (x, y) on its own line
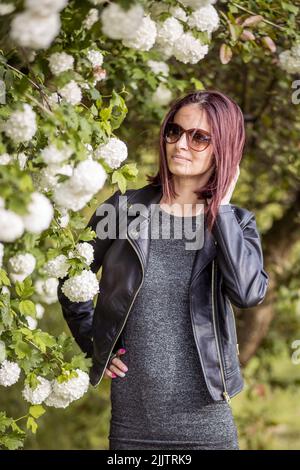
(151, 194)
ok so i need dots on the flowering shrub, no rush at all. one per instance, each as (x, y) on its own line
(69, 69)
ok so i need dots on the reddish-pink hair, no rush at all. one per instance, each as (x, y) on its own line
(228, 139)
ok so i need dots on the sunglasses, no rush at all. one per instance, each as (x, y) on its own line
(197, 139)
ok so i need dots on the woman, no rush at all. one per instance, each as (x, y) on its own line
(169, 306)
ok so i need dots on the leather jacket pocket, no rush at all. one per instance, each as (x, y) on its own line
(230, 345)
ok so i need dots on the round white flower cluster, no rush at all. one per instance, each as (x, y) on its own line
(197, 3)
(95, 58)
(20, 266)
(11, 226)
(5, 159)
(39, 311)
(6, 8)
(159, 67)
(57, 267)
(204, 19)
(31, 322)
(38, 25)
(51, 154)
(9, 373)
(189, 49)
(86, 180)
(144, 37)
(120, 24)
(290, 60)
(71, 92)
(47, 179)
(47, 290)
(168, 36)
(21, 125)
(114, 152)
(82, 287)
(64, 393)
(91, 18)
(60, 62)
(39, 213)
(162, 95)
(85, 250)
(39, 394)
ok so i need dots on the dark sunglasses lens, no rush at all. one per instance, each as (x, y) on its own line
(172, 133)
(199, 140)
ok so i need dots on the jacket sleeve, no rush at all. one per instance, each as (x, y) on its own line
(79, 315)
(240, 258)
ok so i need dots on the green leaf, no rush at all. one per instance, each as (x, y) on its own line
(87, 235)
(36, 411)
(27, 307)
(31, 424)
(4, 280)
(118, 178)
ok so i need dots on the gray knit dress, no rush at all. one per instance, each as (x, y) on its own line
(162, 402)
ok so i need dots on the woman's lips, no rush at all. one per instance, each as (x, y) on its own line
(179, 158)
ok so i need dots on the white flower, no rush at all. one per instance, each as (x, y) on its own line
(22, 159)
(82, 287)
(95, 57)
(162, 95)
(47, 290)
(45, 7)
(11, 226)
(32, 322)
(290, 60)
(64, 393)
(71, 92)
(189, 49)
(121, 24)
(144, 37)
(21, 125)
(6, 8)
(20, 266)
(51, 154)
(60, 62)
(39, 311)
(169, 32)
(64, 219)
(197, 3)
(66, 197)
(34, 31)
(39, 394)
(9, 373)
(40, 213)
(97, 2)
(85, 250)
(57, 267)
(114, 152)
(48, 177)
(5, 159)
(87, 178)
(159, 68)
(91, 18)
(178, 13)
(54, 99)
(204, 19)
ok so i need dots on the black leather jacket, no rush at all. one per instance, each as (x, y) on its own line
(227, 269)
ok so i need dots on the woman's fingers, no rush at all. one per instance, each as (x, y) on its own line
(116, 366)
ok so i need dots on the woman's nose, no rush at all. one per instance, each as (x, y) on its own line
(182, 142)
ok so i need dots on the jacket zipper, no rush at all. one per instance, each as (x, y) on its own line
(225, 393)
(233, 316)
(136, 293)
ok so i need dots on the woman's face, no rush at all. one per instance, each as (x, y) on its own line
(192, 163)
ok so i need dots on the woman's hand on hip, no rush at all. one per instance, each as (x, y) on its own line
(116, 367)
